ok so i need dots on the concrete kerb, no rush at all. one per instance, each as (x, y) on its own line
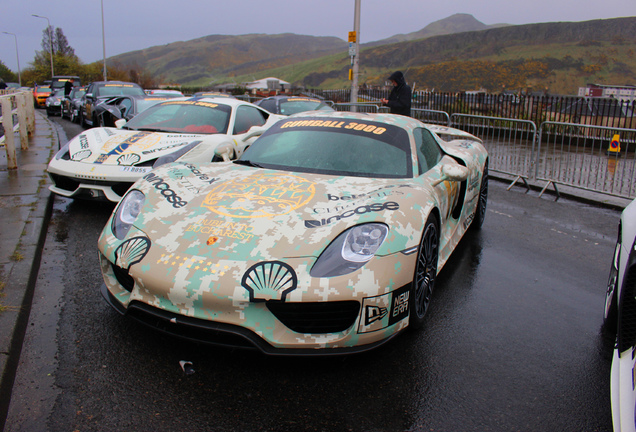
(29, 185)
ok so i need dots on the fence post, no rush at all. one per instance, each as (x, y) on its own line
(21, 99)
(30, 113)
(7, 123)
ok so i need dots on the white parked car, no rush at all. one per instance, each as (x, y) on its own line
(620, 317)
(102, 163)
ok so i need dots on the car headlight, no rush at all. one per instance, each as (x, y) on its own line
(174, 155)
(350, 250)
(127, 212)
(63, 153)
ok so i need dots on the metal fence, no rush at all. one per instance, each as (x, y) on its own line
(594, 158)
(356, 107)
(510, 142)
(590, 157)
(538, 108)
(431, 116)
(16, 115)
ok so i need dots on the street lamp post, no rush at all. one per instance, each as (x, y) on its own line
(103, 41)
(17, 56)
(50, 41)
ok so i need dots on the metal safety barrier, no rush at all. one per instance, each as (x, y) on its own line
(17, 116)
(510, 142)
(356, 107)
(431, 116)
(593, 158)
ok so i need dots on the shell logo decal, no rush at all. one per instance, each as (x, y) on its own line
(131, 252)
(269, 280)
(259, 195)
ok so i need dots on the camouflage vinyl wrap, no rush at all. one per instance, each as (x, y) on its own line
(218, 242)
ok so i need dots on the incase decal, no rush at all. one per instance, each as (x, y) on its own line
(377, 207)
(170, 195)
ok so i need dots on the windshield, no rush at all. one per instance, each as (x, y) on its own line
(143, 104)
(343, 147)
(119, 90)
(184, 117)
(296, 105)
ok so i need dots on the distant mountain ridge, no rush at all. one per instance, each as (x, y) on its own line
(578, 52)
(220, 55)
(457, 23)
(213, 55)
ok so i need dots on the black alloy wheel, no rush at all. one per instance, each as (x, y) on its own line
(480, 211)
(610, 317)
(425, 272)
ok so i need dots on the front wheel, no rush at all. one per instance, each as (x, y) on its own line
(425, 272)
(610, 317)
(480, 211)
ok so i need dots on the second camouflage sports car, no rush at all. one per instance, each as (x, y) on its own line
(325, 236)
(102, 163)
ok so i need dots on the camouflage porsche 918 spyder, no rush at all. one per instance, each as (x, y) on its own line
(325, 236)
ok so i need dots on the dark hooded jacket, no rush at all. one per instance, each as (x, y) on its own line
(400, 96)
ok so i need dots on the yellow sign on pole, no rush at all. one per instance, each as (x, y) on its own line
(350, 74)
(615, 145)
(352, 36)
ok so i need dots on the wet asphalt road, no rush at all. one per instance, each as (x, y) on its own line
(512, 343)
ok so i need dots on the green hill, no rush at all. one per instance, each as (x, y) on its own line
(450, 55)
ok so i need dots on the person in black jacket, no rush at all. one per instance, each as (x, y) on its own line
(68, 86)
(399, 100)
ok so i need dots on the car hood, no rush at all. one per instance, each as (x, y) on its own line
(111, 146)
(244, 212)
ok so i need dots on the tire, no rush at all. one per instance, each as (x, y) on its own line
(482, 201)
(425, 273)
(610, 317)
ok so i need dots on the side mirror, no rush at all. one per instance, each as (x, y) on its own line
(224, 151)
(120, 123)
(254, 131)
(451, 171)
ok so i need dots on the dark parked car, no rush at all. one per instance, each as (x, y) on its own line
(71, 104)
(288, 105)
(125, 107)
(98, 92)
(53, 103)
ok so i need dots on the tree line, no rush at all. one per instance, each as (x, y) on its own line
(66, 62)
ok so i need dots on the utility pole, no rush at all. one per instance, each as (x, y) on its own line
(354, 52)
(103, 41)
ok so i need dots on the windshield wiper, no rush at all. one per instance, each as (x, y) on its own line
(247, 163)
(147, 130)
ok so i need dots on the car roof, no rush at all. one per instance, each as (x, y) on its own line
(115, 83)
(220, 100)
(394, 119)
(279, 97)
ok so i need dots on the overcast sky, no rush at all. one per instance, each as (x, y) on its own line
(134, 24)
